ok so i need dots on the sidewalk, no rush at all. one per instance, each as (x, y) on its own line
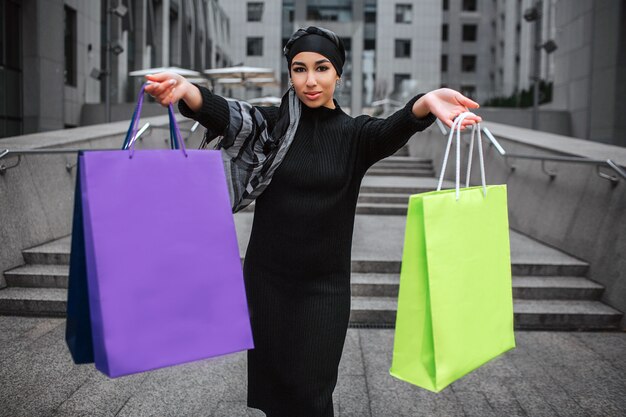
(548, 374)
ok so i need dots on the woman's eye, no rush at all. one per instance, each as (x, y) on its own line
(298, 69)
(322, 68)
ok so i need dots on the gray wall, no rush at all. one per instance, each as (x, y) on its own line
(551, 121)
(578, 212)
(590, 68)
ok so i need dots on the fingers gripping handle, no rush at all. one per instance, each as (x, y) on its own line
(131, 135)
(456, 126)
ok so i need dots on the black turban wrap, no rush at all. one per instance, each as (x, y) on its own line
(320, 40)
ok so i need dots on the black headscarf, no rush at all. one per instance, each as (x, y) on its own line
(320, 40)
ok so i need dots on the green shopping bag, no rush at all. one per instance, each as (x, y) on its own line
(455, 307)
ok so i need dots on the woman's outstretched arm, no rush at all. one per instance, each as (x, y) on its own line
(194, 101)
(380, 138)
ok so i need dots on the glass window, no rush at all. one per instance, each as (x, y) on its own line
(13, 127)
(13, 38)
(444, 63)
(255, 11)
(444, 32)
(369, 44)
(470, 33)
(446, 6)
(3, 93)
(468, 63)
(287, 13)
(2, 35)
(370, 13)
(70, 46)
(469, 5)
(398, 79)
(347, 44)
(254, 47)
(11, 94)
(334, 12)
(403, 48)
(404, 13)
(151, 27)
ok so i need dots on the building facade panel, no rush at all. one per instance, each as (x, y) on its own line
(424, 64)
(268, 30)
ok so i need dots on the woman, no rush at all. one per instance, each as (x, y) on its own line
(297, 265)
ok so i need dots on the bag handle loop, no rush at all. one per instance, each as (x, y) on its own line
(456, 125)
(176, 141)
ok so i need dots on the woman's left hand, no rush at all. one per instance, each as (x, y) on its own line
(446, 104)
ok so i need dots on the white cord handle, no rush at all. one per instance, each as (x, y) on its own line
(457, 123)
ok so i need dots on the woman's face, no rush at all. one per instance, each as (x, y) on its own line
(314, 79)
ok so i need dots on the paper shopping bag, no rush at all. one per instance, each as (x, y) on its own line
(455, 305)
(161, 272)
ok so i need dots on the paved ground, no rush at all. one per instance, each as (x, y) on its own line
(548, 374)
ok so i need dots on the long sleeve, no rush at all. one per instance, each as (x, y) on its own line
(380, 138)
(214, 113)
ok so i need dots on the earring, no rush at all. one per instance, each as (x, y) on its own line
(338, 82)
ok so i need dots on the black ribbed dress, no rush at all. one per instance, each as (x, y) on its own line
(297, 265)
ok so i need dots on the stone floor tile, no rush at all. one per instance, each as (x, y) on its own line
(352, 359)
(548, 374)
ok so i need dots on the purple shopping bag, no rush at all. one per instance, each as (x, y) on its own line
(164, 277)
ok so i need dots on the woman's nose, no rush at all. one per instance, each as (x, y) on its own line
(310, 79)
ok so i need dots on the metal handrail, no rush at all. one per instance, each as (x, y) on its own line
(20, 152)
(620, 171)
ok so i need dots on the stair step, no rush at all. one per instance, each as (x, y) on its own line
(379, 285)
(393, 190)
(394, 198)
(47, 276)
(403, 165)
(400, 184)
(382, 209)
(539, 288)
(56, 252)
(48, 302)
(363, 284)
(529, 314)
(518, 269)
(413, 159)
(401, 172)
(390, 209)
(565, 315)
(555, 288)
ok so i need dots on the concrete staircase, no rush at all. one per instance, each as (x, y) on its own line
(550, 291)
(38, 288)
(382, 192)
(550, 288)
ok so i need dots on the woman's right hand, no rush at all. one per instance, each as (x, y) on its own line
(167, 87)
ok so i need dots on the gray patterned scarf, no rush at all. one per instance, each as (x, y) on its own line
(250, 152)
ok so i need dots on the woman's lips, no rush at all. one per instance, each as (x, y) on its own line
(313, 96)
